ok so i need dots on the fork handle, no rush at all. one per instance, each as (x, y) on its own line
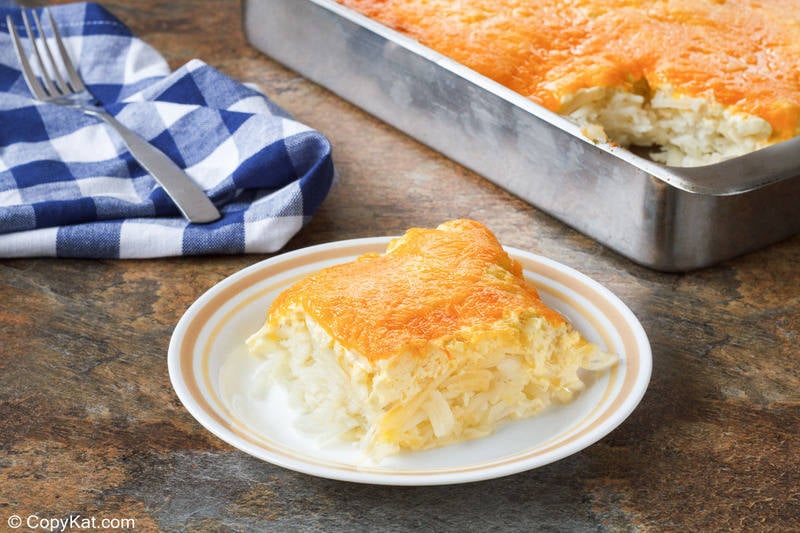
(187, 195)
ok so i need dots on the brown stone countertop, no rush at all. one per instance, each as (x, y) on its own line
(90, 425)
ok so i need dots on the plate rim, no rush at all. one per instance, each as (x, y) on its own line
(619, 415)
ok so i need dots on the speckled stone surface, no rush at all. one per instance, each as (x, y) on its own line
(90, 426)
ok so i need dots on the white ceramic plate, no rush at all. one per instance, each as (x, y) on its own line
(209, 367)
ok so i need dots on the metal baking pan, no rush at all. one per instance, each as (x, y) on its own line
(666, 218)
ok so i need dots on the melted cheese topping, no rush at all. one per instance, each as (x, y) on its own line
(431, 285)
(745, 54)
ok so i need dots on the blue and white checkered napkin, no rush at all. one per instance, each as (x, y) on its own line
(69, 188)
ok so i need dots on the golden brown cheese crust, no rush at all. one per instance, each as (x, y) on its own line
(746, 53)
(431, 284)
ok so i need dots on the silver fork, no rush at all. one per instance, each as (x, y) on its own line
(187, 195)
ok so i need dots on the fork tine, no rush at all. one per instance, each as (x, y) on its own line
(31, 80)
(48, 83)
(74, 78)
(63, 88)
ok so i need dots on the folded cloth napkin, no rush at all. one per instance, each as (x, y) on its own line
(69, 188)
